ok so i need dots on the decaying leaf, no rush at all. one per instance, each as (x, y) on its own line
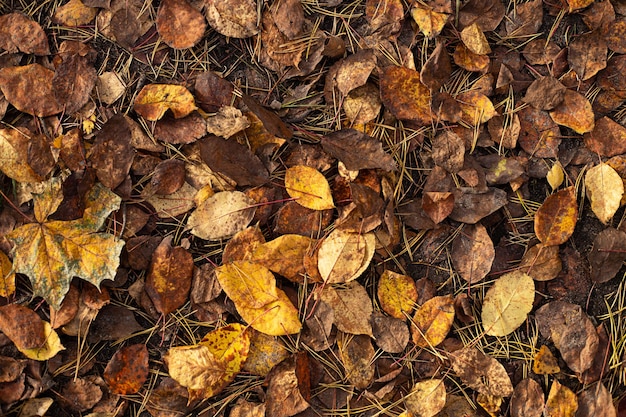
(432, 321)
(206, 368)
(343, 256)
(289, 387)
(473, 253)
(221, 215)
(544, 362)
(14, 164)
(596, 401)
(528, 399)
(29, 89)
(74, 13)
(352, 307)
(427, 398)
(404, 95)
(52, 252)
(236, 19)
(18, 32)
(397, 293)
(604, 189)
(561, 402)
(127, 370)
(429, 21)
(285, 255)
(475, 40)
(179, 24)
(556, 218)
(448, 151)
(542, 262)
(607, 138)
(476, 108)
(507, 303)
(155, 99)
(308, 187)
(481, 372)
(607, 254)
(265, 353)
(357, 355)
(357, 150)
(574, 112)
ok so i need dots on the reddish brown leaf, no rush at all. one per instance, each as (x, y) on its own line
(22, 326)
(607, 254)
(556, 218)
(471, 207)
(448, 151)
(542, 262)
(75, 76)
(525, 19)
(112, 153)
(180, 25)
(404, 95)
(574, 112)
(587, 54)
(180, 131)
(616, 35)
(127, 369)
(289, 387)
(481, 372)
(539, 134)
(545, 93)
(473, 253)
(29, 89)
(528, 399)
(607, 138)
(18, 32)
(437, 205)
(357, 150)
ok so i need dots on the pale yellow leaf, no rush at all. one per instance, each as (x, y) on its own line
(604, 189)
(343, 256)
(221, 215)
(508, 303)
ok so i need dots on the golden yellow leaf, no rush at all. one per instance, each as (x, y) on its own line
(476, 108)
(74, 13)
(556, 218)
(475, 40)
(207, 368)
(555, 176)
(252, 288)
(343, 255)
(285, 255)
(49, 350)
(432, 321)
(308, 187)
(155, 99)
(14, 155)
(575, 112)
(427, 398)
(431, 23)
(7, 280)
(544, 362)
(508, 303)
(561, 402)
(578, 4)
(52, 252)
(221, 215)
(604, 188)
(404, 95)
(397, 294)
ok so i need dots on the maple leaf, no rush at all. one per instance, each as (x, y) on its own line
(52, 252)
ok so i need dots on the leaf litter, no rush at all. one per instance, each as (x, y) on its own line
(296, 207)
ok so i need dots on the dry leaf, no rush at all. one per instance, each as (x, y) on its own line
(507, 303)
(288, 387)
(574, 112)
(429, 21)
(555, 176)
(343, 256)
(14, 144)
(556, 218)
(19, 32)
(235, 19)
(604, 188)
(127, 369)
(542, 262)
(544, 362)
(475, 40)
(74, 13)
(607, 138)
(155, 99)
(7, 280)
(49, 349)
(476, 108)
(362, 104)
(357, 355)
(397, 294)
(607, 254)
(180, 24)
(587, 54)
(357, 150)
(481, 372)
(221, 215)
(539, 135)
(404, 95)
(448, 151)
(391, 334)
(52, 252)
(596, 401)
(473, 253)
(308, 187)
(29, 89)
(285, 255)
(427, 398)
(265, 353)
(561, 402)
(528, 399)
(226, 122)
(352, 307)
(432, 321)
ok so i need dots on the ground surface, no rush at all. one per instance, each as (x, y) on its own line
(425, 199)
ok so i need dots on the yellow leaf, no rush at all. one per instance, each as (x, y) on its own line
(555, 176)
(155, 99)
(397, 294)
(207, 368)
(74, 13)
(575, 112)
(433, 321)
(475, 40)
(476, 108)
(51, 253)
(14, 155)
(404, 95)
(252, 288)
(545, 363)
(49, 349)
(561, 402)
(508, 303)
(7, 280)
(308, 187)
(427, 398)
(285, 255)
(604, 189)
(343, 256)
(431, 23)
(221, 215)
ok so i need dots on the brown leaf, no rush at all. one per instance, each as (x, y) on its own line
(538, 52)
(574, 112)
(29, 89)
(391, 334)
(127, 369)
(362, 104)
(169, 279)
(504, 130)
(404, 95)
(169, 399)
(486, 13)
(470, 207)
(19, 32)
(615, 36)
(22, 326)
(357, 355)
(112, 154)
(542, 262)
(180, 25)
(75, 76)
(212, 91)
(607, 138)
(607, 254)
(596, 401)
(168, 177)
(352, 307)
(528, 399)
(539, 134)
(600, 364)
(296, 219)
(545, 93)
(587, 55)
(556, 218)
(473, 253)
(180, 131)
(481, 372)
(288, 387)
(357, 150)
(354, 70)
(438, 205)
(80, 394)
(525, 19)
(448, 151)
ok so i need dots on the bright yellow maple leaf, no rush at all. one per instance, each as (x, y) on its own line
(52, 252)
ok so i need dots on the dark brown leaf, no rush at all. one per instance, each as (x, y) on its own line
(607, 254)
(528, 399)
(545, 93)
(470, 207)
(29, 89)
(112, 154)
(587, 54)
(18, 32)
(357, 150)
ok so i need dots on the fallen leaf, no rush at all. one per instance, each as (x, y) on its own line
(80, 394)
(540, 136)
(357, 356)
(391, 334)
(362, 105)
(481, 372)
(357, 150)
(252, 288)
(432, 321)
(448, 151)
(308, 187)
(426, 398)
(397, 294)
(542, 262)
(265, 353)
(127, 369)
(155, 99)
(19, 32)
(52, 252)
(596, 401)
(288, 387)
(476, 108)
(429, 21)
(490, 403)
(525, 19)
(607, 254)
(555, 176)
(607, 138)
(169, 278)
(168, 399)
(556, 217)
(527, 399)
(471, 207)
(404, 95)
(7, 282)
(221, 215)
(544, 362)
(575, 5)
(14, 144)
(29, 89)
(206, 368)
(437, 68)
(604, 188)
(352, 307)
(227, 122)
(473, 253)
(180, 24)
(235, 19)
(292, 218)
(22, 326)
(561, 402)
(545, 93)
(74, 13)
(48, 349)
(470, 61)
(438, 205)
(507, 303)
(615, 35)
(474, 39)
(354, 70)
(486, 14)
(285, 255)
(574, 112)
(587, 54)
(343, 256)
(112, 153)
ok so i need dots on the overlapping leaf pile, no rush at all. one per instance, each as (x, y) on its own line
(400, 208)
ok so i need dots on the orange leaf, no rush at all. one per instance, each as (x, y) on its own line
(155, 99)
(432, 321)
(575, 112)
(127, 370)
(545, 363)
(29, 89)
(556, 218)
(285, 255)
(180, 25)
(74, 13)
(404, 95)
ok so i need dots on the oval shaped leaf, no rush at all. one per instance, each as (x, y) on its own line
(556, 218)
(604, 189)
(508, 303)
(221, 215)
(432, 321)
(308, 187)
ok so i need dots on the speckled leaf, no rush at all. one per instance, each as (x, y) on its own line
(155, 99)
(397, 294)
(481, 372)
(427, 398)
(432, 321)
(404, 95)
(51, 253)
(556, 218)
(127, 370)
